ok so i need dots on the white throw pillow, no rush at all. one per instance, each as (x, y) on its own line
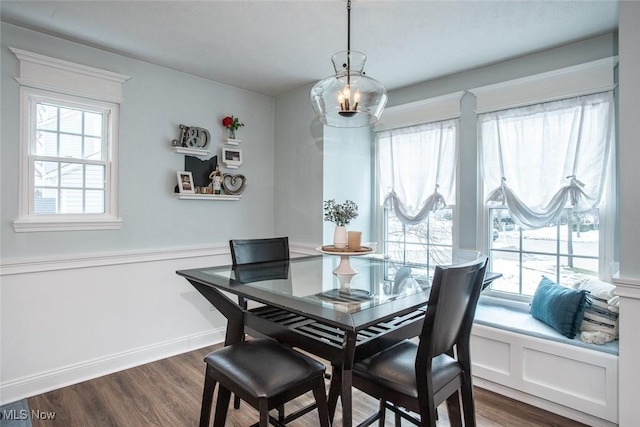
(601, 311)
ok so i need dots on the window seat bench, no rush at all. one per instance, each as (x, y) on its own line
(519, 356)
(515, 317)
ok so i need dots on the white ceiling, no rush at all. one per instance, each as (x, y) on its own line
(272, 47)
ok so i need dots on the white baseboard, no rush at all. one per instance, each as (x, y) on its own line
(58, 378)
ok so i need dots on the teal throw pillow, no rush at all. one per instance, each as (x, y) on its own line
(560, 307)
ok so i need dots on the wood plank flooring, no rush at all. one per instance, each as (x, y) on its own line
(167, 393)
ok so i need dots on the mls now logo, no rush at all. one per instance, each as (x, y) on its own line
(23, 414)
(14, 414)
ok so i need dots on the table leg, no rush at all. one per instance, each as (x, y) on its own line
(347, 405)
(229, 309)
(335, 388)
(347, 378)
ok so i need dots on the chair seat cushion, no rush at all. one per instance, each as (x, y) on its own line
(262, 368)
(394, 368)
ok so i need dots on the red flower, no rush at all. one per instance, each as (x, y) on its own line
(232, 123)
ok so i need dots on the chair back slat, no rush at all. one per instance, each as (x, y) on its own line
(454, 295)
(249, 251)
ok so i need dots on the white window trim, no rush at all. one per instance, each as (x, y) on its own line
(425, 111)
(53, 78)
(592, 77)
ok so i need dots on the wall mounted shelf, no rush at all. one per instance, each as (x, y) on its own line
(189, 196)
(230, 141)
(191, 151)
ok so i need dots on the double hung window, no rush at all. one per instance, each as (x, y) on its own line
(68, 172)
(69, 157)
(546, 171)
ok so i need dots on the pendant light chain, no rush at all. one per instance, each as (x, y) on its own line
(348, 43)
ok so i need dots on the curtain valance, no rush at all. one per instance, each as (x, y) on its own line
(541, 159)
(417, 167)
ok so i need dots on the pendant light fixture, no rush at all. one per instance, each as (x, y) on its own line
(349, 99)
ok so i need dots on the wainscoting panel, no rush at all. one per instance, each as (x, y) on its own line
(568, 377)
(569, 380)
(68, 320)
(491, 355)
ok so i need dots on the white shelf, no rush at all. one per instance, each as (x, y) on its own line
(189, 196)
(192, 151)
(230, 141)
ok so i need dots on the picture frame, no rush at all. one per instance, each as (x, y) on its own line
(231, 157)
(185, 182)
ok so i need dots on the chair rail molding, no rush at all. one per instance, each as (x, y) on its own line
(43, 264)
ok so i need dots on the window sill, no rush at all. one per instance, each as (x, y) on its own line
(66, 224)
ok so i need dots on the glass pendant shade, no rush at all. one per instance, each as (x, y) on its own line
(349, 99)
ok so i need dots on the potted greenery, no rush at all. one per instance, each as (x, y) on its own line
(340, 215)
(232, 124)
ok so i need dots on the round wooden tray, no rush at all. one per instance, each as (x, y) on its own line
(344, 251)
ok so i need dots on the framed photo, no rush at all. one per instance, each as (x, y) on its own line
(185, 182)
(231, 157)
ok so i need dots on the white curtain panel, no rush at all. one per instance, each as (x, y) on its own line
(541, 159)
(417, 168)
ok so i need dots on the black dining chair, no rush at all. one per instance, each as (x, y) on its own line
(265, 374)
(420, 376)
(249, 251)
(253, 251)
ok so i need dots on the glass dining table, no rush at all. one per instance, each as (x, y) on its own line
(302, 303)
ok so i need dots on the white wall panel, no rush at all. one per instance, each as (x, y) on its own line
(491, 355)
(67, 325)
(573, 381)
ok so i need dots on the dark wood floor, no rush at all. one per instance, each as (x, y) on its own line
(167, 393)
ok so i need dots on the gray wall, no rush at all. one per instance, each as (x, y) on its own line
(629, 139)
(156, 101)
(347, 176)
(298, 169)
(314, 163)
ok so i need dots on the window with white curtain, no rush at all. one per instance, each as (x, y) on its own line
(545, 169)
(417, 190)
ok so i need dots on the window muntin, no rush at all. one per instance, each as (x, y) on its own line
(428, 243)
(567, 251)
(69, 158)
